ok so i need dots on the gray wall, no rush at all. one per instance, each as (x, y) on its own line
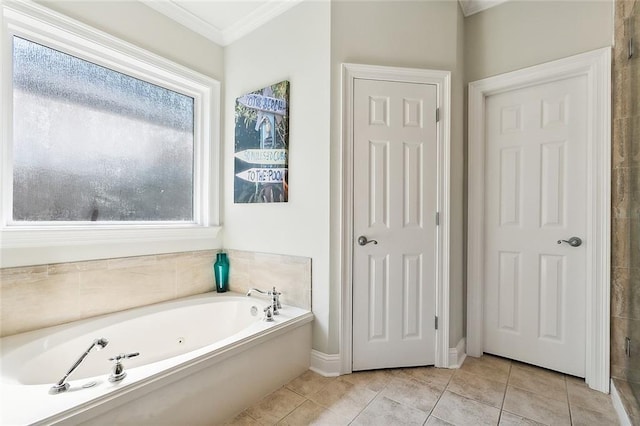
(518, 34)
(401, 34)
(295, 47)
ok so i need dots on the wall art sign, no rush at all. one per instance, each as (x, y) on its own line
(262, 145)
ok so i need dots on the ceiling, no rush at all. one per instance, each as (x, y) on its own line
(225, 21)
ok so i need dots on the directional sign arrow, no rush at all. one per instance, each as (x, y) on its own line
(264, 103)
(259, 175)
(263, 156)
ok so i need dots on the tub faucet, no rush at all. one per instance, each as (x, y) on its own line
(117, 372)
(62, 384)
(275, 298)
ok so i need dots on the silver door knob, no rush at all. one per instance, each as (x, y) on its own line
(362, 240)
(573, 241)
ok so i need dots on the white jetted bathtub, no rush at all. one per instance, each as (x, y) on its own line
(202, 359)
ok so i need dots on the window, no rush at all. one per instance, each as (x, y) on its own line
(93, 144)
(103, 143)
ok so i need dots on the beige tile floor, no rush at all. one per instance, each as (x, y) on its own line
(484, 391)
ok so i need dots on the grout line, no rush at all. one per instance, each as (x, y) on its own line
(446, 386)
(506, 387)
(566, 389)
(249, 415)
(368, 403)
(441, 395)
(176, 284)
(286, 415)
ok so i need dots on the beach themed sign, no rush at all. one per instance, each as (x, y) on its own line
(262, 145)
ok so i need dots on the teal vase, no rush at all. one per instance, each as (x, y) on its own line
(221, 272)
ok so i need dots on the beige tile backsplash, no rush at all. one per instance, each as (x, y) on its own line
(291, 275)
(46, 295)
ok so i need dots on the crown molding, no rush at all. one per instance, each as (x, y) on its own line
(182, 16)
(269, 10)
(263, 14)
(469, 7)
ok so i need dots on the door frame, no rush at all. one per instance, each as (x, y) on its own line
(596, 66)
(442, 81)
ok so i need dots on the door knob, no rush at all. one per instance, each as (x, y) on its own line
(573, 241)
(362, 240)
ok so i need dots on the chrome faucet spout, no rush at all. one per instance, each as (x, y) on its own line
(275, 298)
(256, 289)
(62, 384)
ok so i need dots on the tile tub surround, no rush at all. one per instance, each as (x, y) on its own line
(291, 275)
(484, 391)
(625, 206)
(41, 296)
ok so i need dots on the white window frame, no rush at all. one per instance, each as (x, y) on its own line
(53, 243)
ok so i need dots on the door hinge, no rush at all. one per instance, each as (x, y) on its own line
(436, 322)
(437, 114)
(437, 218)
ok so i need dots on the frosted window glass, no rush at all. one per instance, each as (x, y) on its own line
(93, 144)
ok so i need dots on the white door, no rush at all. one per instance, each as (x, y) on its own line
(536, 189)
(395, 189)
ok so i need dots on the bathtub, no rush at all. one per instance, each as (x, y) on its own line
(202, 360)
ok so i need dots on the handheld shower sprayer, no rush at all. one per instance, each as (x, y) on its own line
(62, 384)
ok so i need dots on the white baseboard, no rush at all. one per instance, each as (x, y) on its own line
(329, 365)
(324, 364)
(617, 404)
(457, 354)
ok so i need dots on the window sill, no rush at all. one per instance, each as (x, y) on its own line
(20, 247)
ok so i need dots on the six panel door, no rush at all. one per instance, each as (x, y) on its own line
(395, 200)
(536, 189)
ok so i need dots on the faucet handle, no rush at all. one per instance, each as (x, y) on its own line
(268, 313)
(118, 357)
(118, 373)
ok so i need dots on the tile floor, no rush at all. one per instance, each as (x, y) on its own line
(484, 391)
